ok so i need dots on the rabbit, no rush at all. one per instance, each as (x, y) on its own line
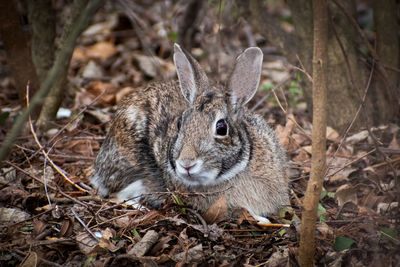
(195, 136)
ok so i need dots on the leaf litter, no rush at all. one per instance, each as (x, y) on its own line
(358, 211)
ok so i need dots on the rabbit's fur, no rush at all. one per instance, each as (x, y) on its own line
(194, 136)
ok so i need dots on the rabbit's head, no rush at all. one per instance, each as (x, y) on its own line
(212, 144)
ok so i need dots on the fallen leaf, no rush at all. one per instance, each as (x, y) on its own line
(279, 258)
(342, 243)
(324, 230)
(154, 66)
(31, 259)
(83, 147)
(358, 137)
(308, 149)
(346, 193)
(100, 115)
(106, 90)
(123, 92)
(285, 133)
(332, 134)
(383, 208)
(217, 212)
(302, 156)
(101, 50)
(86, 242)
(92, 70)
(106, 240)
(12, 215)
(394, 144)
(38, 226)
(193, 254)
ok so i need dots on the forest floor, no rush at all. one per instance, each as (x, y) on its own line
(46, 220)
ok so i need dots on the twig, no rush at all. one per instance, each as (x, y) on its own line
(385, 163)
(84, 224)
(148, 240)
(270, 91)
(49, 263)
(201, 219)
(34, 135)
(273, 225)
(47, 157)
(49, 186)
(351, 162)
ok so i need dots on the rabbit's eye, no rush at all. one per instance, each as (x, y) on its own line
(179, 124)
(221, 128)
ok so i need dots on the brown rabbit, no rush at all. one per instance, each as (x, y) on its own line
(196, 136)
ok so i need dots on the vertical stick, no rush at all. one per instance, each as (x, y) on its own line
(313, 192)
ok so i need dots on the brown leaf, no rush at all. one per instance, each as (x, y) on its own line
(106, 90)
(31, 259)
(86, 242)
(105, 241)
(217, 212)
(346, 193)
(66, 228)
(101, 50)
(123, 92)
(83, 147)
(332, 134)
(8, 215)
(285, 133)
(38, 227)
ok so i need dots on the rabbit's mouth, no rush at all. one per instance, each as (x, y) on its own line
(194, 175)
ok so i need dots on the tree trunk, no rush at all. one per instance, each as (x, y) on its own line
(314, 186)
(347, 77)
(61, 63)
(17, 49)
(383, 94)
(42, 21)
(56, 96)
(343, 98)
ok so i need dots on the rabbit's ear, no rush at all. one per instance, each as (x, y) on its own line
(192, 78)
(245, 77)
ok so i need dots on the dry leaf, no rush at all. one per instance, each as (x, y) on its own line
(106, 90)
(194, 253)
(30, 260)
(9, 216)
(38, 226)
(332, 134)
(358, 137)
(346, 193)
(300, 139)
(285, 133)
(394, 144)
(302, 156)
(101, 50)
(217, 212)
(79, 54)
(308, 149)
(92, 71)
(123, 92)
(83, 147)
(155, 67)
(86, 242)
(105, 240)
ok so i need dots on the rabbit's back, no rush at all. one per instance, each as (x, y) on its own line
(134, 147)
